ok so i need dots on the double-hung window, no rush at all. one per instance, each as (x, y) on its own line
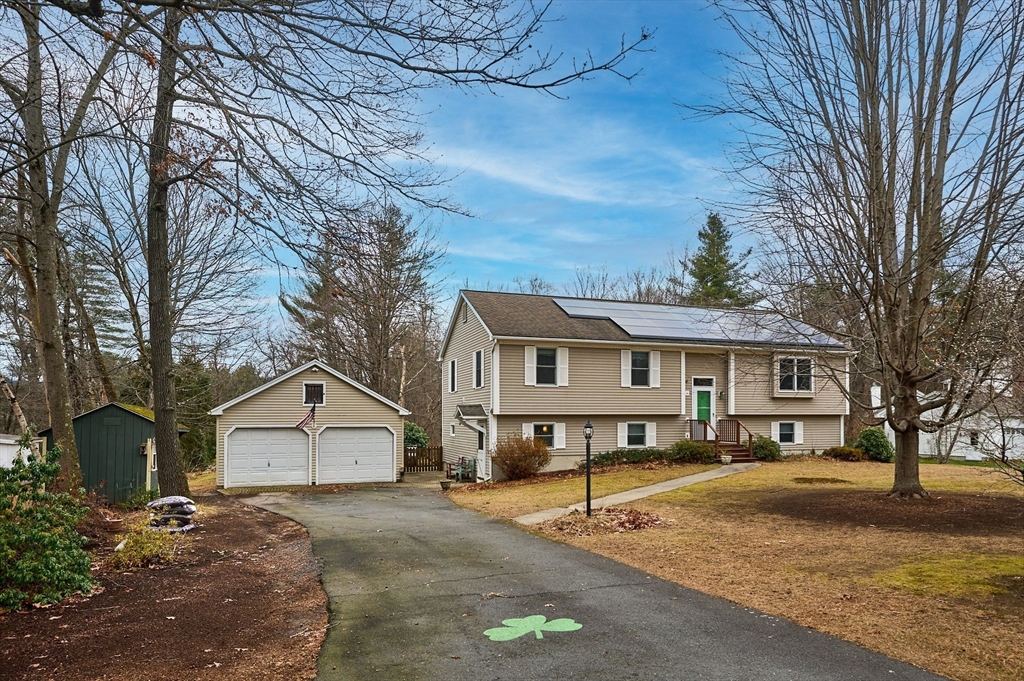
(545, 432)
(478, 369)
(796, 375)
(787, 433)
(547, 366)
(640, 369)
(636, 434)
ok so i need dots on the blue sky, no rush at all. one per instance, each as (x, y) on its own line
(610, 176)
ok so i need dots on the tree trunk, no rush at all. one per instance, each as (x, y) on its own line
(19, 415)
(907, 482)
(46, 315)
(171, 468)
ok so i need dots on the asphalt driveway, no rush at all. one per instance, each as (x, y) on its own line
(414, 582)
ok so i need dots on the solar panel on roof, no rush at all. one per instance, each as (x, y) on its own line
(645, 320)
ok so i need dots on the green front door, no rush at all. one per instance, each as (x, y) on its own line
(704, 405)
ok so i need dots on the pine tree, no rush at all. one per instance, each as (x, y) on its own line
(716, 279)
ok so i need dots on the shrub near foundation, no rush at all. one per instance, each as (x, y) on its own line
(520, 457)
(689, 451)
(875, 445)
(766, 449)
(617, 457)
(843, 454)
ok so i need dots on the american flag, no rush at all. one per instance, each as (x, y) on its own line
(308, 418)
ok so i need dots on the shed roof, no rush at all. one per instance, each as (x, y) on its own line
(217, 411)
(142, 412)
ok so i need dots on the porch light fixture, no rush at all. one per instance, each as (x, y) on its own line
(588, 432)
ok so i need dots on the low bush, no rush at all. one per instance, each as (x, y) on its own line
(617, 457)
(520, 457)
(414, 435)
(843, 454)
(144, 546)
(691, 451)
(139, 497)
(766, 449)
(875, 445)
(41, 555)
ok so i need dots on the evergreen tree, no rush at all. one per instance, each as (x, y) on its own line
(715, 278)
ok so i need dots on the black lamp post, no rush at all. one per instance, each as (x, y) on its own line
(588, 432)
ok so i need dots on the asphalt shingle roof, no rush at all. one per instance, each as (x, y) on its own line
(559, 317)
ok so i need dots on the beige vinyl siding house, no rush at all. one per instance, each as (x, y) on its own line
(644, 375)
(357, 435)
(470, 356)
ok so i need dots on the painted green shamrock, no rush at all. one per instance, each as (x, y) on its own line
(514, 628)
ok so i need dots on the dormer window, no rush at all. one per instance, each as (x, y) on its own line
(313, 393)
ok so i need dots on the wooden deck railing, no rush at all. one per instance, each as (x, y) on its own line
(730, 432)
(703, 431)
(420, 459)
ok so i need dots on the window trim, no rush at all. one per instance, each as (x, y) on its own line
(636, 423)
(536, 437)
(787, 423)
(632, 368)
(537, 365)
(453, 376)
(478, 369)
(795, 392)
(323, 386)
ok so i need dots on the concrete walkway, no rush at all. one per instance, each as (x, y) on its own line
(418, 587)
(638, 493)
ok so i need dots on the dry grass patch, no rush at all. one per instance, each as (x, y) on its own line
(937, 582)
(513, 499)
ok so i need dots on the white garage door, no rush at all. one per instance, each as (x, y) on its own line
(355, 455)
(267, 456)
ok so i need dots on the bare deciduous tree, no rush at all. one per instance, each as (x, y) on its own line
(306, 111)
(884, 151)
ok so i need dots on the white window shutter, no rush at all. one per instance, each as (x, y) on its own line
(559, 436)
(623, 430)
(652, 434)
(528, 431)
(775, 430)
(531, 365)
(563, 366)
(798, 433)
(655, 369)
(627, 379)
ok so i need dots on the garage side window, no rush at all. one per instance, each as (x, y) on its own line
(313, 394)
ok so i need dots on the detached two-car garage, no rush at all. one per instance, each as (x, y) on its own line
(349, 433)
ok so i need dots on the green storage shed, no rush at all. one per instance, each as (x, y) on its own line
(115, 449)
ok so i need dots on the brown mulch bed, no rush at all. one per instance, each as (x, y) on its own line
(243, 601)
(953, 513)
(550, 476)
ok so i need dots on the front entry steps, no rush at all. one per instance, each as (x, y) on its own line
(739, 453)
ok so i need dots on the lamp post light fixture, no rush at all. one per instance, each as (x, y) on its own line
(588, 432)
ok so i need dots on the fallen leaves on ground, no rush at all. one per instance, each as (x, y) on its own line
(612, 519)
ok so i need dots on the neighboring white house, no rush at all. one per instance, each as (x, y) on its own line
(989, 433)
(9, 449)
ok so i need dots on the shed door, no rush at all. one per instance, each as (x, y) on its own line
(363, 454)
(267, 456)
